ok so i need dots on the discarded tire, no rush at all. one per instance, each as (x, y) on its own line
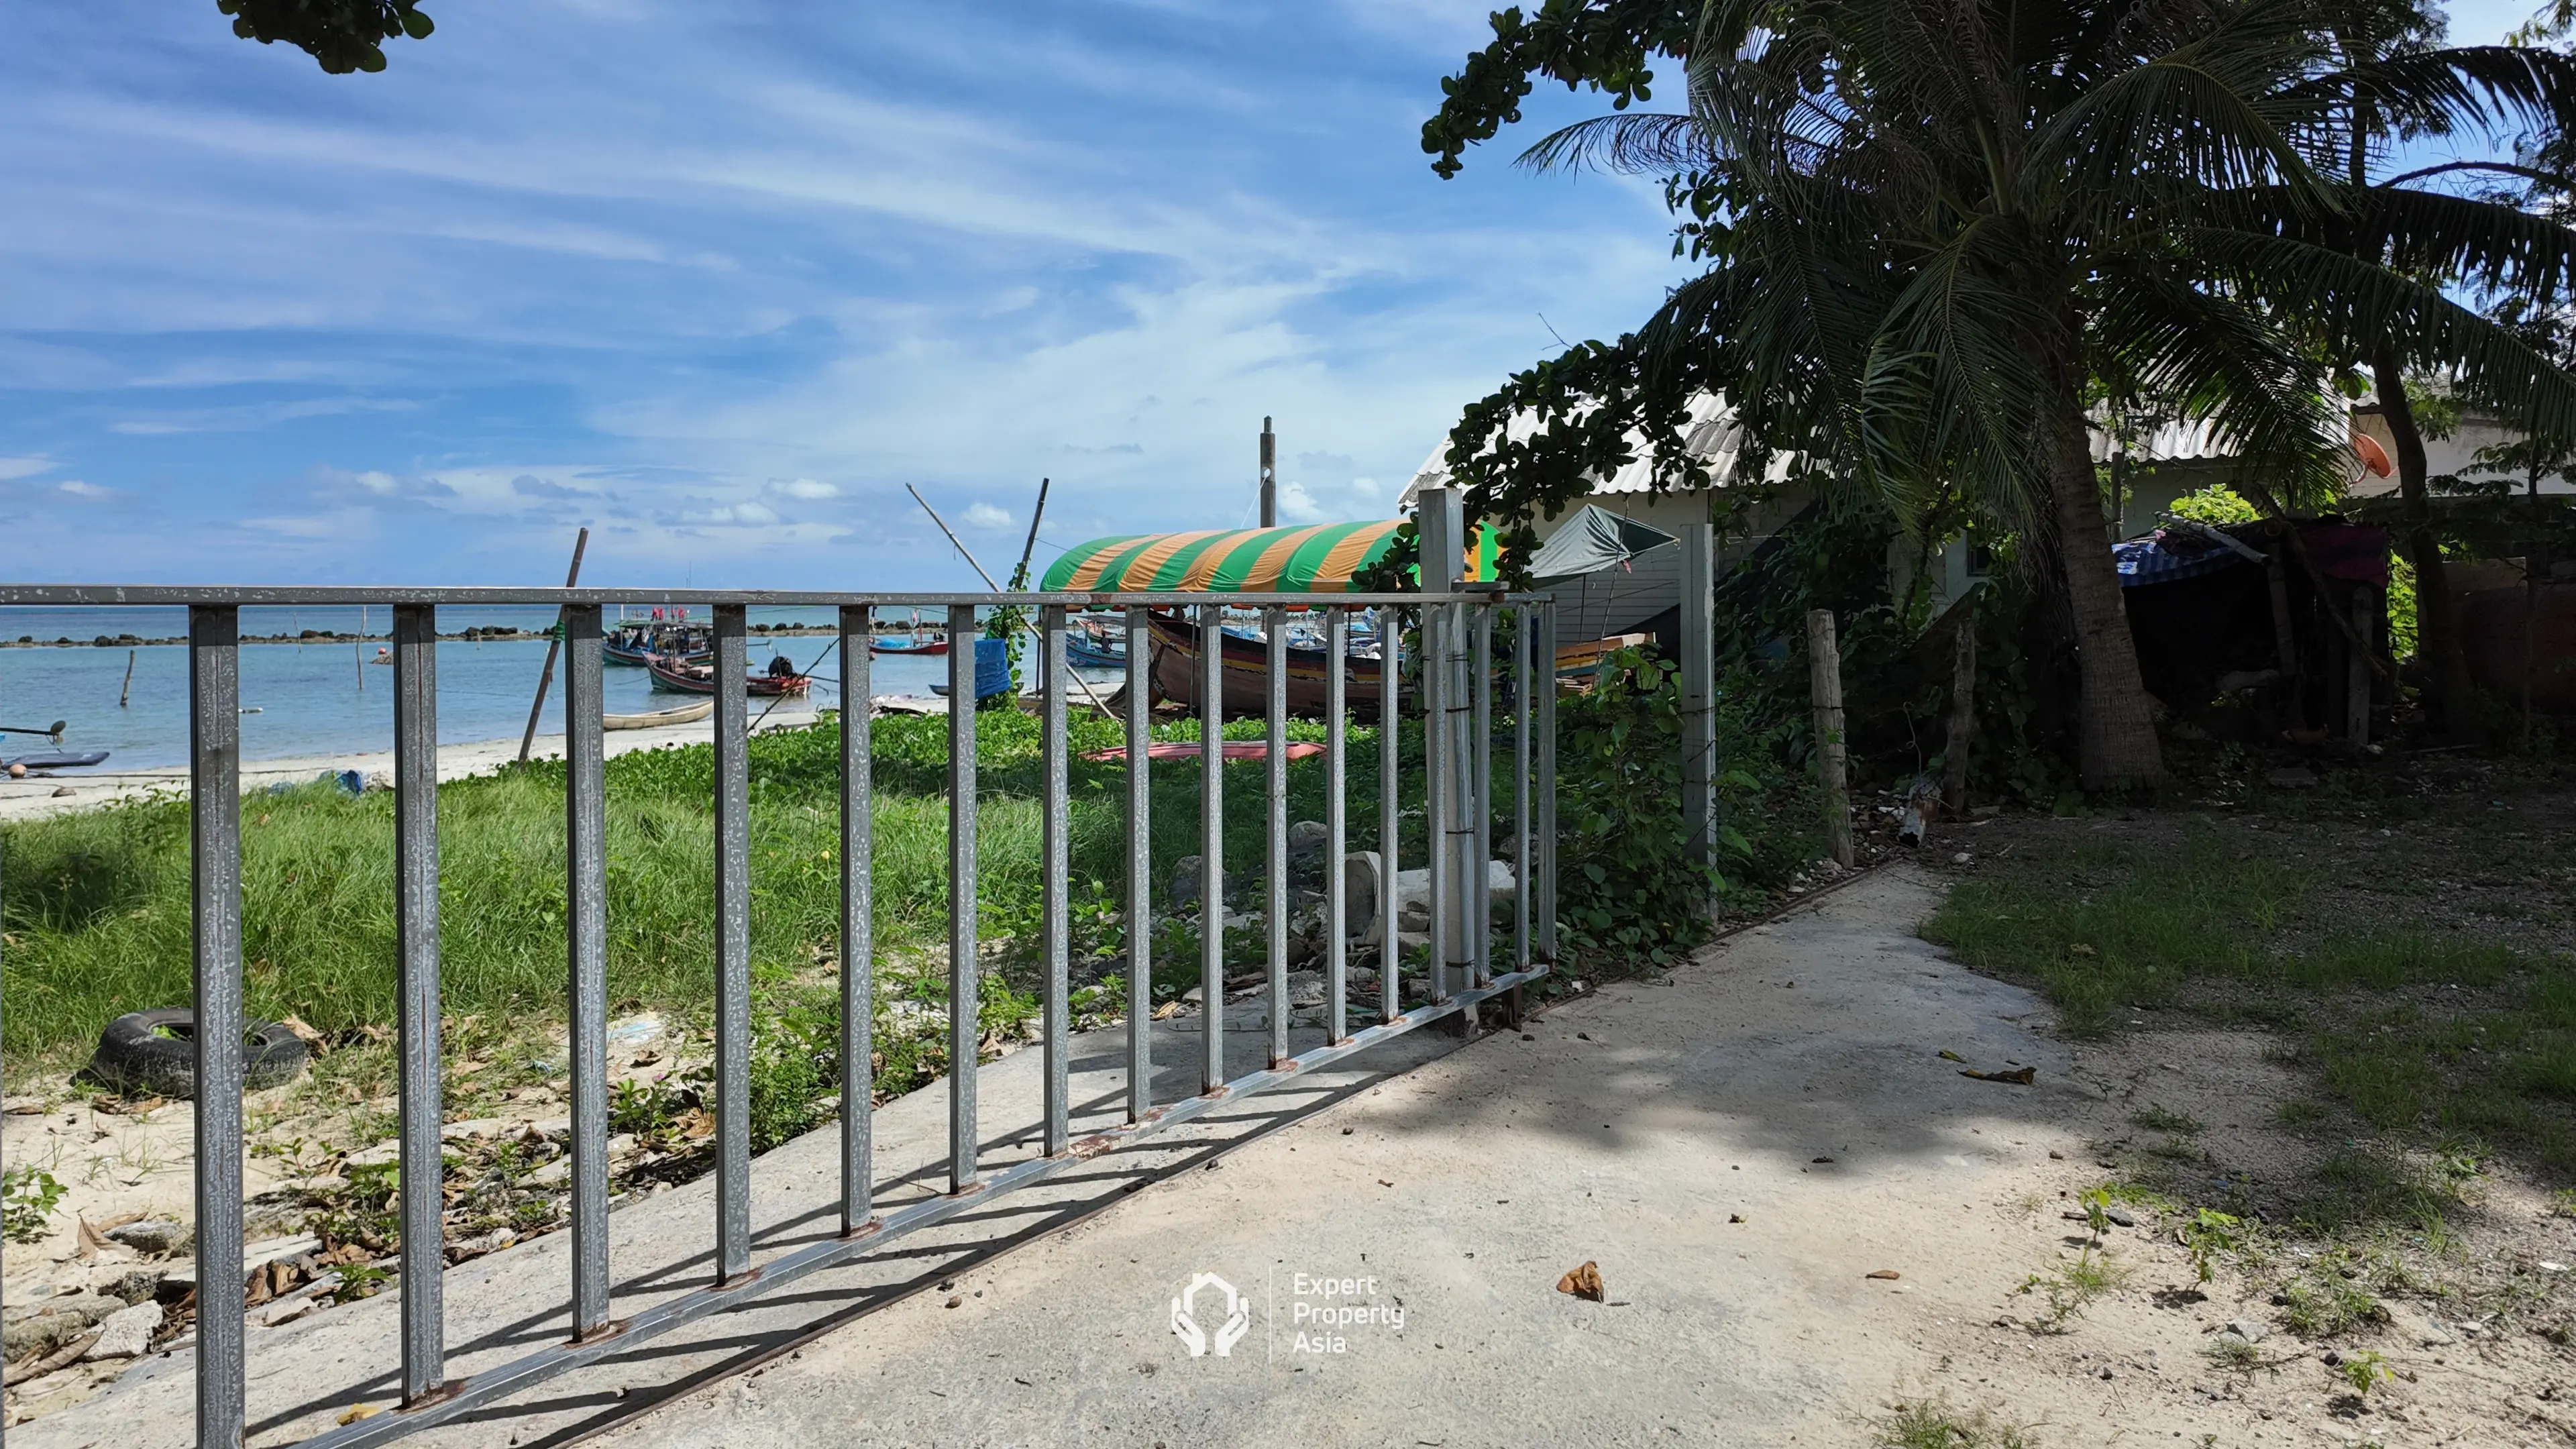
(156, 1052)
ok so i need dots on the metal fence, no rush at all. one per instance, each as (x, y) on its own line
(1458, 689)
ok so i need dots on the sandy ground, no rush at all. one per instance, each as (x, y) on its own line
(39, 796)
(1801, 1213)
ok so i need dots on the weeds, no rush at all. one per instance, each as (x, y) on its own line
(29, 1198)
(1934, 1424)
(2364, 1370)
(2074, 1286)
(2156, 1118)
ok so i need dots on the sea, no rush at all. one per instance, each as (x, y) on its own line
(323, 699)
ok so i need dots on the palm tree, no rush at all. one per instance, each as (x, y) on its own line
(1933, 223)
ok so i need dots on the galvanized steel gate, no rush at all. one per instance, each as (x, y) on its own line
(1457, 695)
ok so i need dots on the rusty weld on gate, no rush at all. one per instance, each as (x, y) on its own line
(1457, 688)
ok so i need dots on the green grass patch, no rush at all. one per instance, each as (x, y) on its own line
(2432, 1037)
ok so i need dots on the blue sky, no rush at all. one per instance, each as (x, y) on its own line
(718, 280)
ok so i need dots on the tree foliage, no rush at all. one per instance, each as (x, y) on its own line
(1937, 233)
(341, 35)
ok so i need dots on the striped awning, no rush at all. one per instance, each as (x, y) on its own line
(1318, 559)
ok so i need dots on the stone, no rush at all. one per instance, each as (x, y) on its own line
(2250, 1330)
(557, 1171)
(2121, 1215)
(127, 1333)
(48, 1325)
(62, 790)
(1306, 842)
(1186, 883)
(154, 1235)
(136, 1285)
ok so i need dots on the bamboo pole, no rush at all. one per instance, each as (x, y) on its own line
(1825, 685)
(546, 681)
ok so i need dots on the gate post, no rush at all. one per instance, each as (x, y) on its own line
(1699, 693)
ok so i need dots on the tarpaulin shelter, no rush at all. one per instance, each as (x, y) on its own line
(1321, 558)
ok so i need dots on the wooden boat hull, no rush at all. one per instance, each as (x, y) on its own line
(1175, 671)
(58, 760)
(761, 686)
(656, 719)
(923, 648)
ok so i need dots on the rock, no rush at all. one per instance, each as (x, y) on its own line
(557, 1171)
(127, 1333)
(1186, 883)
(2102, 1373)
(154, 1235)
(48, 1325)
(288, 1311)
(2250, 1330)
(2121, 1215)
(1306, 842)
(62, 790)
(136, 1285)
(475, 1129)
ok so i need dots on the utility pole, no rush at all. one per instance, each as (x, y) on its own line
(1269, 476)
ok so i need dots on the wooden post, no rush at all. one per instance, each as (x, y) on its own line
(1825, 685)
(2285, 645)
(554, 645)
(2356, 674)
(1269, 476)
(126, 693)
(1963, 718)
(1699, 692)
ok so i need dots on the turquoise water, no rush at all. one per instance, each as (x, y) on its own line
(319, 699)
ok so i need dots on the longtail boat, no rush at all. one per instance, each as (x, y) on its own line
(1246, 665)
(701, 679)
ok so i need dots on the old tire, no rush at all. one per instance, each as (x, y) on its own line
(155, 1052)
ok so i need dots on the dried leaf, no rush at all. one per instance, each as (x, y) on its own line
(646, 1057)
(1583, 1282)
(2021, 1077)
(1890, 1274)
(305, 1033)
(697, 1124)
(355, 1412)
(1951, 1056)
(466, 1069)
(1167, 1011)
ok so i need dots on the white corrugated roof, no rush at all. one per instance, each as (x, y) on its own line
(1710, 433)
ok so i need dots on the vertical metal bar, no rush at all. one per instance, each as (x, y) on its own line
(1390, 814)
(1337, 738)
(1057, 923)
(424, 1330)
(1546, 682)
(964, 995)
(1211, 847)
(1440, 895)
(733, 951)
(1275, 790)
(1480, 798)
(1523, 701)
(1140, 866)
(214, 818)
(586, 961)
(858, 923)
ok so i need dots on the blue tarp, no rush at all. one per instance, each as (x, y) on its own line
(2165, 557)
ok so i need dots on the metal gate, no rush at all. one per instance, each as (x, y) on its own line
(1459, 689)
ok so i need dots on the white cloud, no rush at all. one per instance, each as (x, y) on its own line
(985, 515)
(808, 488)
(746, 513)
(92, 491)
(1296, 505)
(22, 467)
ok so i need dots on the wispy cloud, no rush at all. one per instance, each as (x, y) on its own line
(716, 282)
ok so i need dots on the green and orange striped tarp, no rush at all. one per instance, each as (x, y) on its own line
(1318, 559)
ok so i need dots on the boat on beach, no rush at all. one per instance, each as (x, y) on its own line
(682, 678)
(55, 760)
(1246, 672)
(920, 645)
(636, 643)
(658, 718)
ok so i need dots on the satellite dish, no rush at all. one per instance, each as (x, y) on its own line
(2373, 457)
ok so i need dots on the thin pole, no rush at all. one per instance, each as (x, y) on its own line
(1211, 663)
(1140, 867)
(127, 692)
(358, 649)
(546, 681)
(964, 1040)
(988, 578)
(1269, 476)
(1963, 716)
(1825, 686)
(424, 1343)
(214, 811)
(858, 925)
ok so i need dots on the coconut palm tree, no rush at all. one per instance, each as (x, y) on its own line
(1932, 224)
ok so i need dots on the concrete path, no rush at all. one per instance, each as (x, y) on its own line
(1738, 1148)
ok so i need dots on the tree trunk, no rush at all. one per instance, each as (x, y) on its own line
(2437, 625)
(2117, 721)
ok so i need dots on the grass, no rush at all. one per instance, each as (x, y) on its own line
(2429, 1038)
(97, 919)
(1934, 1424)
